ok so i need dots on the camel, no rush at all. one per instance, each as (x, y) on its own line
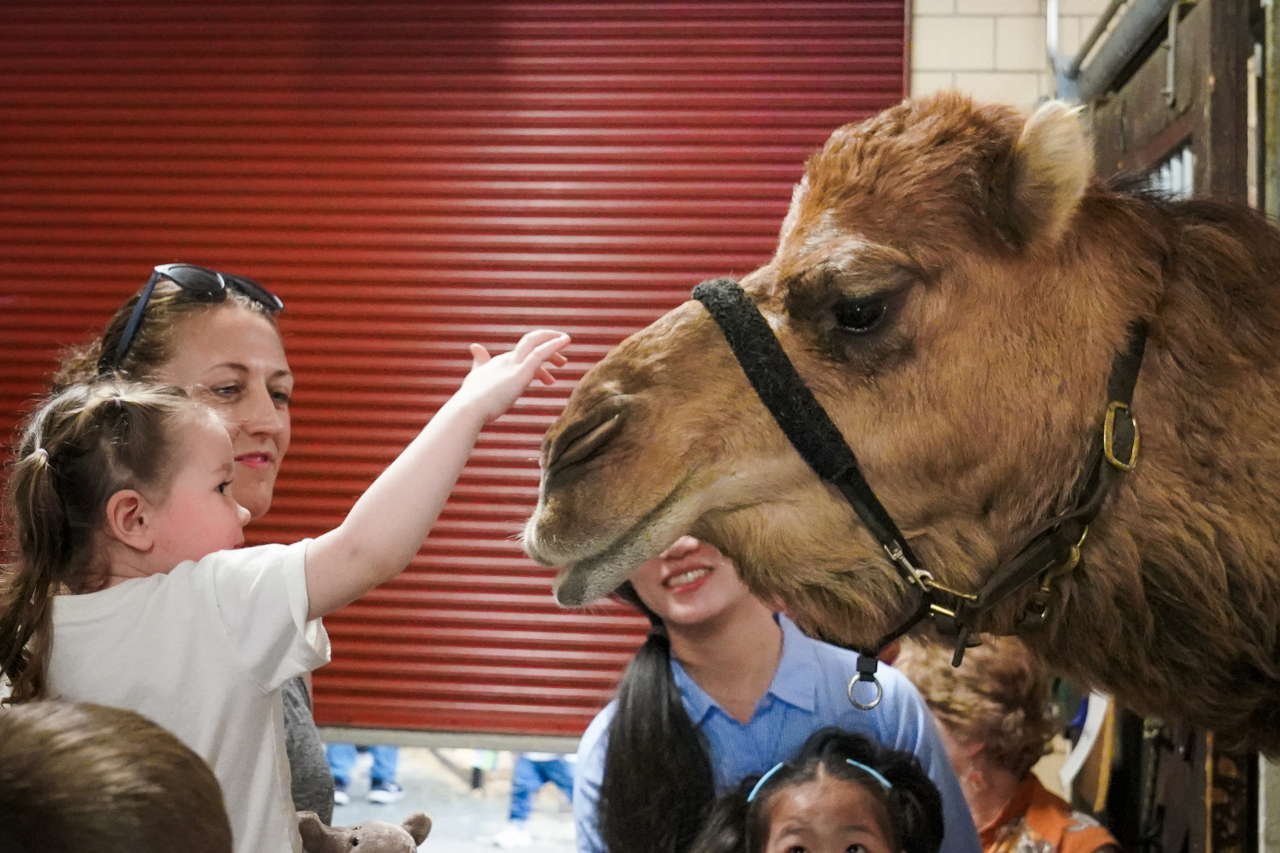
(953, 284)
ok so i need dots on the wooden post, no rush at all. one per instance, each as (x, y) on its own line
(1271, 158)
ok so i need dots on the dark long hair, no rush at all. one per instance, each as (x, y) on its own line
(912, 802)
(658, 785)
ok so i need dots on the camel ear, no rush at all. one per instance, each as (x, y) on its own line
(793, 212)
(1050, 169)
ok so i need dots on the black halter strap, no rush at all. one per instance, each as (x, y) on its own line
(1051, 550)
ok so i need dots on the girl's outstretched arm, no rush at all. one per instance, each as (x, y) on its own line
(389, 522)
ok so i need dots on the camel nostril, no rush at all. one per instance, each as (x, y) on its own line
(584, 439)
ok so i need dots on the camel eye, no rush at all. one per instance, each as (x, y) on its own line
(860, 315)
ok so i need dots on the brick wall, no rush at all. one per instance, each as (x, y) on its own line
(993, 49)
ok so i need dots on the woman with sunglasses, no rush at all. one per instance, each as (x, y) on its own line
(214, 334)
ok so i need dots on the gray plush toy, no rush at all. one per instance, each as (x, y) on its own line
(373, 836)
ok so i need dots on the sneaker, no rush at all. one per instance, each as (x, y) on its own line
(340, 795)
(513, 835)
(385, 792)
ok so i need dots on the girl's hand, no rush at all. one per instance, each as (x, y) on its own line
(496, 382)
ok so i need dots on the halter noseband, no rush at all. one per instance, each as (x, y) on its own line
(1048, 552)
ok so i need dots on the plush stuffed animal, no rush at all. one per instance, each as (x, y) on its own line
(372, 836)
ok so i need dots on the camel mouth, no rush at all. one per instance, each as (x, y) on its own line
(596, 575)
(592, 578)
(583, 583)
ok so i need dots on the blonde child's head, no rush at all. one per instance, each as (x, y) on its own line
(81, 446)
(843, 793)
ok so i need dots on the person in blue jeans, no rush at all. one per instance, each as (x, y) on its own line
(532, 770)
(382, 776)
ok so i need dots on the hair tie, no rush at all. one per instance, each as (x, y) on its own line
(875, 774)
(42, 453)
(755, 789)
(118, 400)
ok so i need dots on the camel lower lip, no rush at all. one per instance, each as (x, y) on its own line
(587, 581)
(595, 576)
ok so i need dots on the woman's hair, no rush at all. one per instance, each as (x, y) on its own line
(657, 785)
(153, 344)
(739, 822)
(87, 777)
(79, 448)
(998, 697)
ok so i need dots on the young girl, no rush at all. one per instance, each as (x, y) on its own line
(123, 591)
(843, 793)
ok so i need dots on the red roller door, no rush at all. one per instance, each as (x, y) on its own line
(411, 177)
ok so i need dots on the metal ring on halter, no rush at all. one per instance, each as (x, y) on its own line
(874, 702)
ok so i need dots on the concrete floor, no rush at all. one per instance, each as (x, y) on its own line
(463, 821)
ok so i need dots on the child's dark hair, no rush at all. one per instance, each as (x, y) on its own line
(81, 446)
(739, 822)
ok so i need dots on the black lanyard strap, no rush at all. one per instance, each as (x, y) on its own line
(803, 420)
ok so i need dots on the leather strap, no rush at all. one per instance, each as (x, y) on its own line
(1053, 545)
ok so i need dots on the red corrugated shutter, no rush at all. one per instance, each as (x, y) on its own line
(411, 177)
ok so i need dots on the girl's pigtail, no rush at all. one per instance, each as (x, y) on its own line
(26, 593)
(652, 741)
(725, 830)
(918, 805)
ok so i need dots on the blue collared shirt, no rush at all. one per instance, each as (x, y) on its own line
(807, 694)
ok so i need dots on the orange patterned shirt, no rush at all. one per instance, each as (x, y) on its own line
(1036, 820)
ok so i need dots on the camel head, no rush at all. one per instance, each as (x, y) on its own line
(953, 286)
(910, 268)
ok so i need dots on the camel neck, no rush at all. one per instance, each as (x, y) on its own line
(733, 656)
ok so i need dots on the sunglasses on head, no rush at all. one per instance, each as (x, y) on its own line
(205, 284)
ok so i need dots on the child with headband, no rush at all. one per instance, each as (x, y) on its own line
(128, 587)
(843, 793)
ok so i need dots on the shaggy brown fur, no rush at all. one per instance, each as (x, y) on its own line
(1008, 281)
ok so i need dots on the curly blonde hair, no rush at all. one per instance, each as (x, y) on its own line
(999, 697)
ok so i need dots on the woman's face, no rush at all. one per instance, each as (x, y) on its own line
(690, 583)
(232, 359)
(827, 815)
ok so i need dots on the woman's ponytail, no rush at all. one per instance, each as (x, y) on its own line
(658, 785)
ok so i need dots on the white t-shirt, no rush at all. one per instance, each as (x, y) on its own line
(203, 651)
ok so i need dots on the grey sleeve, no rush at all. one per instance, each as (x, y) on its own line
(312, 780)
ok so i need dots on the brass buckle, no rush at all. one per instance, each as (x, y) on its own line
(1037, 611)
(1108, 438)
